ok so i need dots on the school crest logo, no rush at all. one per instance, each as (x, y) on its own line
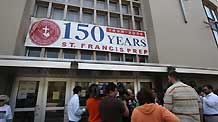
(44, 32)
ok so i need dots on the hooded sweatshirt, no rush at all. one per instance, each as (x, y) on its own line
(152, 113)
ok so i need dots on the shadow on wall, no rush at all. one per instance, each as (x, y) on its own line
(6, 80)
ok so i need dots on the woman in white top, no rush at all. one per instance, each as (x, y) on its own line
(5, 110)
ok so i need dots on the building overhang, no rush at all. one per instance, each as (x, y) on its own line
(22, 61)
(17, 61)
(145, 68)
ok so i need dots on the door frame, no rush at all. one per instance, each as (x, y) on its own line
(44, 97)
(14, 92)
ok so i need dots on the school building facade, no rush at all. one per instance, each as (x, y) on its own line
(54, 45)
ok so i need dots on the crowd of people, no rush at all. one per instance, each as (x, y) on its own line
(181, 103)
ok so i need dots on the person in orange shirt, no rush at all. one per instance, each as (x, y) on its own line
(92, 104)
(148, 111)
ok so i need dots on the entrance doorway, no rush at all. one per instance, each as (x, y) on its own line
(41, 99)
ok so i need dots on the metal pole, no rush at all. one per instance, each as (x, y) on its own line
(183, 11)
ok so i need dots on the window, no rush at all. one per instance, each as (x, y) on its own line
(113, 6)
(136, 10)
(61, 1)
(208, 12)
(125, 9)
(138, 24)
(116, 57)
(88, 3)
(212, 16)
(130, 58)
(101, 19)
(52, 53)
(115, 21)
(34, 52)
(74, 2)
(143, 59)
(86, 55)
(70, 54)
(41, 11)
(57, 13)
(87, 17)
(72, 15)
(127, 23)
(102, 56)
(101, 4)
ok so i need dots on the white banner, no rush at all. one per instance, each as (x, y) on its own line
(65, 34)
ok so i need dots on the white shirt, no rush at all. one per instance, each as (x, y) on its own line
(5, 113)
(74, 110)
(210, 104)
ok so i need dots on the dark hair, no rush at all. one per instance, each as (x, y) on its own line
(94, 91)
(144, 96)
(77, 89)
(208, 86)
(173, 74)
(110, 87)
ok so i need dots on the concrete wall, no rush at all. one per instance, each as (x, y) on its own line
(148, 24)
(180, 43)
(11, 12)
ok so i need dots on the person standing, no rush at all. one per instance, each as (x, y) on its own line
(5, 110)
(182, 100)
(210, 104)
(92, 104)
(111, 108)
(149, 111)
(74, 110)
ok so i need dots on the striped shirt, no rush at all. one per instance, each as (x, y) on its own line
(183, 101)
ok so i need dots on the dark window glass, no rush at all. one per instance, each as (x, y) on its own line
(101, 19)
(130, 58)
(41, 11)
(57, 13)
(116, 57)
(113, 6)
(142, 59)
(127, 23)
(125, 9)
(70, 54)
(72, 15)
(101, 4)
(115, 21)
(27, 94)
(88, 3)
(87, 17)
(52, 53)
(136, 10)
(76, 2)
(86, 55)
(101, 56)
(212, 18)
(34, 52)
(138, 24)
(56, 94)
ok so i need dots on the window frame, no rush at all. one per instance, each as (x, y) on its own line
(211, 17)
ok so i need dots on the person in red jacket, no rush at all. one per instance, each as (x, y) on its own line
(148, 111)
(92, 104)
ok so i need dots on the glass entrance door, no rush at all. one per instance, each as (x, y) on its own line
(26, 101)
(55, 101)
